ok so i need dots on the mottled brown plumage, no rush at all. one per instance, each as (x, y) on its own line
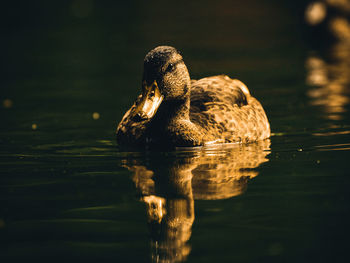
(175, 111)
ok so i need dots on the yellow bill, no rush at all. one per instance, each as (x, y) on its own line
(150, 101)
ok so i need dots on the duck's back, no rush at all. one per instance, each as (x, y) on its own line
(227, 112)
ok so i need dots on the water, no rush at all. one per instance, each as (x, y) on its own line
(68, 193)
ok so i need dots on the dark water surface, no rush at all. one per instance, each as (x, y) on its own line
(67, 193)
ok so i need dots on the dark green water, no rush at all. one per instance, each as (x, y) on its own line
(68, 194)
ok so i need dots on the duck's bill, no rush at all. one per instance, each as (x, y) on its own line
(150, 101)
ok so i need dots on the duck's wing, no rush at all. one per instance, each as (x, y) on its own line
(217, 90)
(224, 108)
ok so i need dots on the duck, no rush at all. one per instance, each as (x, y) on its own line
(174, 110)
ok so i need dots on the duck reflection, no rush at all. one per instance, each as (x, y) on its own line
(328, 65)
(169, 186)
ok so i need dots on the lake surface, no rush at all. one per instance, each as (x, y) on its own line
(68, 193)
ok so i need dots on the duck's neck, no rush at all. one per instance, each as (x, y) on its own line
(174, 110)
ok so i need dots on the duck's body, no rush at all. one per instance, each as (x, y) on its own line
(181, 112)
(227, 112)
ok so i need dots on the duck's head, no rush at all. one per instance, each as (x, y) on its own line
(165, 78)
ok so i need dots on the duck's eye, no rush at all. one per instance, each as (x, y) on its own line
(170, 67)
